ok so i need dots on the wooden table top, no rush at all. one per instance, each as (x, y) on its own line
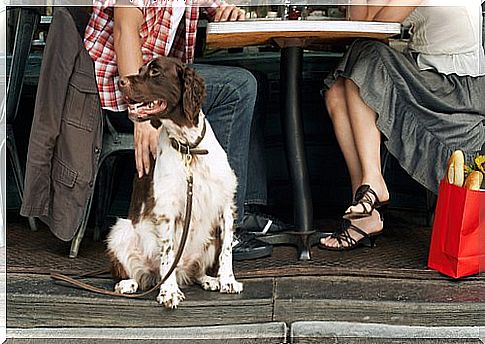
(300, 32)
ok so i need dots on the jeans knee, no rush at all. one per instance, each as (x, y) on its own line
(245, 82)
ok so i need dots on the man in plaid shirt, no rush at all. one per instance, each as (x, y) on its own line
(120, 39)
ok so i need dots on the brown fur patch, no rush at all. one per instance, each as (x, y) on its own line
(142, 196)
(117, 270)
(194, 270)
(148, 280)
(217, 242)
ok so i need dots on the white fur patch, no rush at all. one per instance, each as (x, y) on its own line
(129, 286)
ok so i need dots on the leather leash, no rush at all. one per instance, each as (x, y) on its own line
(187, 154)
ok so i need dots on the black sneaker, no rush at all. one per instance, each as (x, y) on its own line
(247, 246)
(259, 223)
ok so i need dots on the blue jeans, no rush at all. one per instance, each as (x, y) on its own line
(256, 186)
(229, 107)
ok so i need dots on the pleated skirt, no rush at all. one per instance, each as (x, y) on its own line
(423, 115)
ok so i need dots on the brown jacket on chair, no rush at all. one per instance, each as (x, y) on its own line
(66, 136)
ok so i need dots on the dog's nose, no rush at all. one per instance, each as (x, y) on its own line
(123, 82)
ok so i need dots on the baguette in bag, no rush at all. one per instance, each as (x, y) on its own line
(474, 181)
(456, 168)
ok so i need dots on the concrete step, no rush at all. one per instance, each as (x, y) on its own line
(266, 333)
(306, 332)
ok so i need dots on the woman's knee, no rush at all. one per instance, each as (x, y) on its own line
(335, 99)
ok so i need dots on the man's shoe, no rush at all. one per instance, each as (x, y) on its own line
(247, 246)
(260, 223)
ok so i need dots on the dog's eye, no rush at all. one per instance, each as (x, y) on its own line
(154, 72)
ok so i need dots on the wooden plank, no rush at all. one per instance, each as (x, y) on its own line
(349, 340)
(336, 271)
(36, 301)
(378, 300)
(147, 341)
(248, 333)
(327, 332)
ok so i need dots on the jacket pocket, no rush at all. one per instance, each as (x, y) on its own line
(82, 102)
(63, 174)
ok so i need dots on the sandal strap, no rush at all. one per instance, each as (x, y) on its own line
(358, 230)
(363, 197)
(343, 234)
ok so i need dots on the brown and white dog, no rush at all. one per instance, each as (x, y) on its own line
(142, 248)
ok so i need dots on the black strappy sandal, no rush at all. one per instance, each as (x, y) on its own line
(342, 235)
(367, 198)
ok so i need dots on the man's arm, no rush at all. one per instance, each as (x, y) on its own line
(126, 31)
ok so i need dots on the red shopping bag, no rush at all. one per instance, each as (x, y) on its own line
(458, 238)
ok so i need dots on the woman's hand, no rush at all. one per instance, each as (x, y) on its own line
(146, 140)
(229, 13)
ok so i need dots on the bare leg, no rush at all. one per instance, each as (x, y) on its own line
(335, 99)
(359, 139)
(368, 140)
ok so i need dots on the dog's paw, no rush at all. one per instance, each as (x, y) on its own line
(210, 283)
(231, 286)
(170, 296)
(128, 286)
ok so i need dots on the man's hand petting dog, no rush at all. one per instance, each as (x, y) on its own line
(146, 141)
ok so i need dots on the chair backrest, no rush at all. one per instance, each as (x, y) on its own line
(27, 21)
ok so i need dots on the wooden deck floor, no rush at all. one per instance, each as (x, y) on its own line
(316, 302)
(35, 301)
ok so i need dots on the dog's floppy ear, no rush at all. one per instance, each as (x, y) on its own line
(193, 94)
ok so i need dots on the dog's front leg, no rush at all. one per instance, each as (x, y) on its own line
(170, 295)
(228, 283)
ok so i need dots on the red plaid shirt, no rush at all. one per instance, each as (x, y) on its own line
(154, 33)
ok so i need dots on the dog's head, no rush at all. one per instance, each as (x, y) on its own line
(164, 88)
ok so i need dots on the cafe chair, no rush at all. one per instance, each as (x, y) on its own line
(114, 144)
(27, 21)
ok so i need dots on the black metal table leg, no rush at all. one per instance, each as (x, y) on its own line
(290, 78)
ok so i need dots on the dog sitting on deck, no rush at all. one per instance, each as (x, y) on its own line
(142, 248)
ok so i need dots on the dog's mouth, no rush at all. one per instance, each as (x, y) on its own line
(145, 111)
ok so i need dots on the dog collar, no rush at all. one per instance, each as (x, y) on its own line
(190, 148)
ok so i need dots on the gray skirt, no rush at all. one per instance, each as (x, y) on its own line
(423, 115)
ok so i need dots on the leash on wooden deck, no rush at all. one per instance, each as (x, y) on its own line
(188, 211)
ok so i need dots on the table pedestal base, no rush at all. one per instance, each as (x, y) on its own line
(303, 240)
